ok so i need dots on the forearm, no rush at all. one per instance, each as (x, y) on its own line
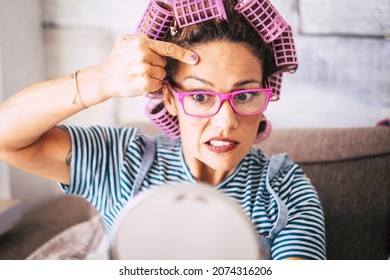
(31, 112)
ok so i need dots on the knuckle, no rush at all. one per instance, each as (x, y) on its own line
(171, 49)
(147, 57)
(154, 86)
(126, 37)
(163, 73)
(164, 62)
(142, 68)
(137, 42)
(182, 54)
(123, 38)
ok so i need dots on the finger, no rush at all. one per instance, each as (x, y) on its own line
(153, 85)
(174, 51)
(157, 73)
(156, 60)
(143, 86)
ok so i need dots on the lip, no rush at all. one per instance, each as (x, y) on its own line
(222, 145)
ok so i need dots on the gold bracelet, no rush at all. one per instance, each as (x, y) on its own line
(78, 93)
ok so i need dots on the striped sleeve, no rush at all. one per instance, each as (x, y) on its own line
(104, 164)
(304, 234)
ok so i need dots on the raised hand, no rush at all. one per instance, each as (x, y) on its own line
(136, 65)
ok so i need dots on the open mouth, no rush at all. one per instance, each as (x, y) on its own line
(221, 146)
(216, 143)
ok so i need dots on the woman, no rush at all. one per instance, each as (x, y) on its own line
(197, 67)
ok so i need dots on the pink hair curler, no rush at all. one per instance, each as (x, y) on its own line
(263, 16)
(188, 12)
(275, 82)
(284, 51)
(159, 115)
(157, 20)
(265, 129)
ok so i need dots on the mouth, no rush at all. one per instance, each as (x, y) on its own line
(221, 145)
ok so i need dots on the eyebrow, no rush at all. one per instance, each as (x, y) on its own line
(210, 84)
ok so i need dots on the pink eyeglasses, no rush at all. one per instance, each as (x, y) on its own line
(201, 104)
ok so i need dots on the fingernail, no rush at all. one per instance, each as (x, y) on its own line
(193, 58)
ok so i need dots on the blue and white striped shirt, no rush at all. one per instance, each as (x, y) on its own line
(106, 160)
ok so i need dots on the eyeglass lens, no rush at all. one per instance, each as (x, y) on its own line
(246, 103)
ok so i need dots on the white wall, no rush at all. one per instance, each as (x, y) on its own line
(5, 190)
(82, 33)
(344, 54)
(22, 64)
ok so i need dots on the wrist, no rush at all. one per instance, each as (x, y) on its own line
(89, 87)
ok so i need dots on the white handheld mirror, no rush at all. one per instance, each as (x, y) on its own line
(182, 221)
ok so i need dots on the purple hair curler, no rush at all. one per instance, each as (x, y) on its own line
(284, 51)
(157, 20)
(275, 82)
(188, 12)
(159, 115)
(263, 16)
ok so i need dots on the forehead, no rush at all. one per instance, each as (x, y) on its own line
(222, 61)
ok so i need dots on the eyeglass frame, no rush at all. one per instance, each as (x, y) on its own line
(221, 97)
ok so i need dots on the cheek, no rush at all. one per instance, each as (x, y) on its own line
(190, 126)
(251, 125)
(192, 130)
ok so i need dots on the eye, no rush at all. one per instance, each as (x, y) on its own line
(199, 97)
(246, 96)
(242, 96)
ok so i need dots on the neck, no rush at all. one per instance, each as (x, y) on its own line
(214, 178)
(206, 174)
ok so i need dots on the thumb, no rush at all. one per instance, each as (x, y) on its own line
(174, 51)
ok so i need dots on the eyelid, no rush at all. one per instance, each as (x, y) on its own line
(197, 90)
(248, 89)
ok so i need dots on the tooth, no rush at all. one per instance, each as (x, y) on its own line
(219, 143)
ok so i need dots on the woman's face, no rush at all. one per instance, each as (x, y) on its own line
(214, 146)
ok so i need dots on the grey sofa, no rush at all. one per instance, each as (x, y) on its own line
(350, 168)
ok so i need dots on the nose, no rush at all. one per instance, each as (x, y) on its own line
(225, 118)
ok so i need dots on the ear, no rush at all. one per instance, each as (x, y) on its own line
(264, 130)
(169, 102)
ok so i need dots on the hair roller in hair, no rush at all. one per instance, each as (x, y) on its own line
(157, 20)
(264, 131)
(275, 82)
(159, 115)
(263, 16)
(188, 12)
(284, 51)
